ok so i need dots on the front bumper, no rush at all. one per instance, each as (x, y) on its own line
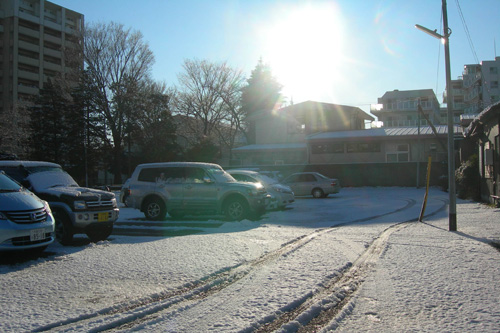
(16, 236)
(85, 218)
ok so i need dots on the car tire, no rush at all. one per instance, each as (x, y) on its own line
(63, 228)
(99, 234)
(155, 209)
(318, 193)
(236, 209)
(125, 197)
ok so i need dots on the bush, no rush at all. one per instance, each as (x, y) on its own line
(468, 179)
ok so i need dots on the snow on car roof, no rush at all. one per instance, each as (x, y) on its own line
(28, 163)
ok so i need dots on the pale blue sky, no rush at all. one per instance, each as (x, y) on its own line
(345, 52)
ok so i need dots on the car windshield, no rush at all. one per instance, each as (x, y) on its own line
(8, 185)
(47, 179)
(220, 175)
(44, 168)
(267, 180)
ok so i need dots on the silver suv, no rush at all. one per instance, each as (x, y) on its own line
(190, 188)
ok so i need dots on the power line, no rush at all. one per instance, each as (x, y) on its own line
(466, 29)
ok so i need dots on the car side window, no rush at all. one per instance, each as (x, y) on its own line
(149, 175)
(306, 178)
(195, 175)
(173, 175)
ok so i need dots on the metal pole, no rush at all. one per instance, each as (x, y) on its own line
(452, 210)
(418, 145)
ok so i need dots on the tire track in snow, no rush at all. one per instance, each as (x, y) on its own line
(128, 315)
(327, 304)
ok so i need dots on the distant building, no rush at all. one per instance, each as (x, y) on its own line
(34, 35)
(400, 108)
(481, 85)
(281, 135)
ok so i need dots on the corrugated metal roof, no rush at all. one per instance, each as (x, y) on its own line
(385, 132)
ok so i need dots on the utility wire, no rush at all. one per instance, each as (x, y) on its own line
(466, 29)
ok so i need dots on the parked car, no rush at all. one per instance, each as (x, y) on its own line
(281, 195)
(125, 192)
(26, 221)
(312, 183)
(76, 209)
(190, 188)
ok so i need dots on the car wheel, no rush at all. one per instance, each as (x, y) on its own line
(125, 197)
(99, 234)
(318, 193)
(155, 209)
(236, 210)
(63, 228)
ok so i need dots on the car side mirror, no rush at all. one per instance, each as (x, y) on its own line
(207, 180)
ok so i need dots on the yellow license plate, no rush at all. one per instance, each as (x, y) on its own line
(102, 217)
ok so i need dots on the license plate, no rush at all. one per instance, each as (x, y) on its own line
(102, 217)
(37, 235)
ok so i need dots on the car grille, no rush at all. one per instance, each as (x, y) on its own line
(25, 240)
(99, 204)
(28, 217)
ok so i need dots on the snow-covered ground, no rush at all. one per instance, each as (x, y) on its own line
(351, 262)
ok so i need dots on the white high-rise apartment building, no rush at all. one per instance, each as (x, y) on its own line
(481, 85)
(34, 35)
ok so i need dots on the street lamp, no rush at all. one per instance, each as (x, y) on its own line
(452, 213)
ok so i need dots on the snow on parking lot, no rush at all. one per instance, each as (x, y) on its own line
(344, 262)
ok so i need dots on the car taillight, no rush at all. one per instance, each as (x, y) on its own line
(334, 184)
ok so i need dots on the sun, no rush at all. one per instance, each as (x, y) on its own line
(304, 48)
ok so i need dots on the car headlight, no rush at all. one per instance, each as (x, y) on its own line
(47, 207)
(113, 201)
(80, 205)
(3, 217)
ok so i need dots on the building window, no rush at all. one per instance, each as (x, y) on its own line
(494, 85)
(363, 147)
(328, 148)
(493, 70)
(401, 153)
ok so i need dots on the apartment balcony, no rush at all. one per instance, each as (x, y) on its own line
(52, 53)
(52, 66)
(52, 39)
(28, 75)
(473, 94)
(28, 61)
(29, 15)
(48, 22)
(29, 90)
(29, 32)
(29, 46)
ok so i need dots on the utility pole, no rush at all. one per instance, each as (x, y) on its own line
(452, 214)
(452, 210)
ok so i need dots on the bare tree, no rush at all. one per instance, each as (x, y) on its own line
(209, 93)
(117, 59)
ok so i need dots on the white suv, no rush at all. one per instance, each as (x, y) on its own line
(191, 188)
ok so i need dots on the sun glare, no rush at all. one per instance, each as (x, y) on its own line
(304, 49)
